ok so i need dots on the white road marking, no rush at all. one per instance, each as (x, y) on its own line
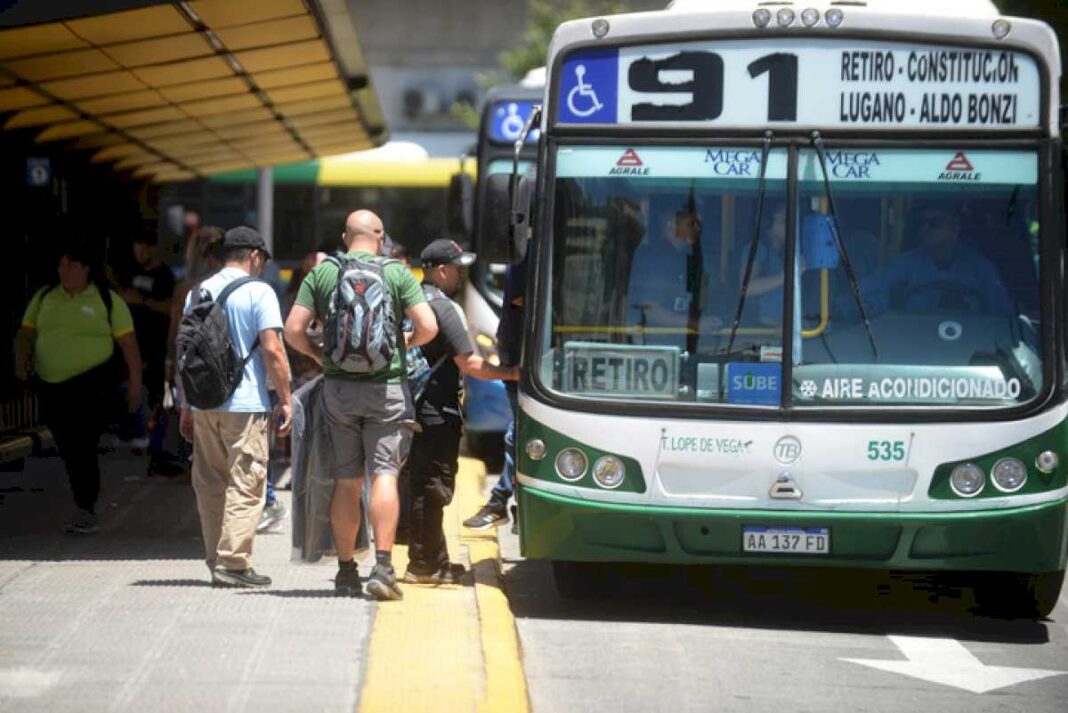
(947, 662)
(26, 682)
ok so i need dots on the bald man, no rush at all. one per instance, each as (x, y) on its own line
(370, 415)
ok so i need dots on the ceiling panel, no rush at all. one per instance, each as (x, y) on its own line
(149, 169)
(38, 39)
(300, 92)
(160, 49)
(19, 98)
(110, 153)
(130, 25)
(68, 130)
(39, 116)
(272, 32)
(95, 85)
(295, 75)
(290, 55)
(182, 126)
(202, 90)
(245, 117)
(270, 127)
(145, 117)
(64, 64)
(313, 105)
(221, 105)
(127, 101)
(324, 117)
(226, 13)
(136, 159)
(194, 70)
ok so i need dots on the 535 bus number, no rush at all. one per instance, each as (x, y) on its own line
(886, 451)
(705, 86)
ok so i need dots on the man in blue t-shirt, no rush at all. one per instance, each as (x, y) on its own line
(940, 274)
(231, 442)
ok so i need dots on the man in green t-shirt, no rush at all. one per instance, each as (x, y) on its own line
(370, 415)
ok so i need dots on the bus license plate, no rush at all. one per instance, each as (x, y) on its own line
(794, 540)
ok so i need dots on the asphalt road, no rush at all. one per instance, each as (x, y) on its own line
(779, 640)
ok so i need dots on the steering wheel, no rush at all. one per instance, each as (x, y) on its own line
(969, 297)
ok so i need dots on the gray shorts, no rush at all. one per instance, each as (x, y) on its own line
(370, 427)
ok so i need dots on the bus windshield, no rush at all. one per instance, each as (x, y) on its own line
(652, 246)
(944, 247)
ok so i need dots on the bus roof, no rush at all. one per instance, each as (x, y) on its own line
(947, 8)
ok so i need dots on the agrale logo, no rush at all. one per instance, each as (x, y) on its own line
(629, 164)
(960, 169)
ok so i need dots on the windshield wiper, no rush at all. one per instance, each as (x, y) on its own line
(817, 143)
(751, 259)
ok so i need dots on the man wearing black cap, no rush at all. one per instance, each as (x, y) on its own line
(230, 443)
(436, 447)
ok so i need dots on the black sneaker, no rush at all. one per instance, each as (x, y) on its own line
(84, 523)
(515, 520)
(347, 582)
(489, 516)
(382, 584)
(239, 578)
(449, 573)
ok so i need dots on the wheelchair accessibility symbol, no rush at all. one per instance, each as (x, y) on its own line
(582, 100)
(511, 125)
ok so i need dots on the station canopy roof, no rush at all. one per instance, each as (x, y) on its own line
(179, 90)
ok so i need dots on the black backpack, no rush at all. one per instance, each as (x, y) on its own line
(208, 365)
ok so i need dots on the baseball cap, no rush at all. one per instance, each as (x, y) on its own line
(445, 252)
(244, 237)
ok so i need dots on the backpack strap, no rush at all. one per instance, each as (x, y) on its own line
(221, 301)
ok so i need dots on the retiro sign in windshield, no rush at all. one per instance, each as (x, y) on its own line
(810, 82)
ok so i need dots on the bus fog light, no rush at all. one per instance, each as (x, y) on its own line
(967, 480)
(762, 17)
(608, 472)
(1047, 461)
(785, 17)
(571, 464)
(833, 17)
(535, 449)
(1009, 475)
(810, 16)
(600, 27)
(1001, 29)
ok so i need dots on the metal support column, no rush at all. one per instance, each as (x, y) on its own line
(265, 205)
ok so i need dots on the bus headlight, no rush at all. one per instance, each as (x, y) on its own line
(608, 472)
(967, 480)
(1001, 29)
(785, 17)
(1009, 475)
(762, 17)
(833, 17)
(810, 17)
(1047, 461)
(571, 464)
(535, 449)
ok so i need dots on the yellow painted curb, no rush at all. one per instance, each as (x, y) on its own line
(442, 649)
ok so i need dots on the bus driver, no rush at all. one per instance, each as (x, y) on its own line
(939, 274)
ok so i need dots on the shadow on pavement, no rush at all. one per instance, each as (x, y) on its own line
(802, 599)
(171, 583)
(141, 518)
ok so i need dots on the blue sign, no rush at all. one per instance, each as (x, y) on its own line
(588, 88)
(756, 384)
(508, 119)
(38, 172)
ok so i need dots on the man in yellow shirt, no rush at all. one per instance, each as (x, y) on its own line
(66, 341)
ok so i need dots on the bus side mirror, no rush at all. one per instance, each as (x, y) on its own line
(461, 201)
(505, 222)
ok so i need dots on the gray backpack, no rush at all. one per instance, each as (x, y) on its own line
(360, 330)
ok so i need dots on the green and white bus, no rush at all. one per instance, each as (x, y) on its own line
(796, 295)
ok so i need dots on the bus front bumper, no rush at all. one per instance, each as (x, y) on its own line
(1025, 539)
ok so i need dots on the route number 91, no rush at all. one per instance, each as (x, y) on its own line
(886, 450)
(705, 86)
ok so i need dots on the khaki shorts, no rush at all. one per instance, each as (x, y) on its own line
(370, 427)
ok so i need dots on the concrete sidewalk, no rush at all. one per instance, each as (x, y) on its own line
(126, 620)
